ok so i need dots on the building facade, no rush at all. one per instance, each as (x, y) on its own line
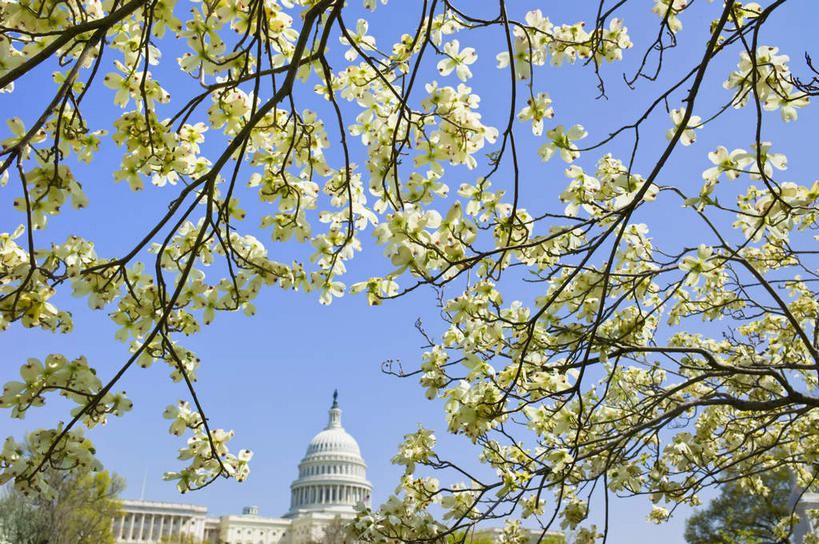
(332, 479)
(148, 521)
(807, 501)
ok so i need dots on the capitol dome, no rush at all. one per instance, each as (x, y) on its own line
(332, 474)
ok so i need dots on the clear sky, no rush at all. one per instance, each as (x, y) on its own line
(271, 377)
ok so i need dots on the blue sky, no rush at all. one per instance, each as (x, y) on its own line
(271, 377)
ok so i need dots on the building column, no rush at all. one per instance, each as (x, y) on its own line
(161, 525)
(131, 527)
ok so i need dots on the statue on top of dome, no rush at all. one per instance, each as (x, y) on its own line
(335, 399)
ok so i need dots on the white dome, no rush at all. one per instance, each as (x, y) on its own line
(332, 474)
(334, 439)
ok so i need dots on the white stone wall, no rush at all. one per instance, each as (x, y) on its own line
(249, 529)
(212, 529)
(310, 527)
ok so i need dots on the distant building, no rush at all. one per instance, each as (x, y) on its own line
(332, 480)
(808, 501)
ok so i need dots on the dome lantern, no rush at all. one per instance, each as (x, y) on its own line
(335, 414)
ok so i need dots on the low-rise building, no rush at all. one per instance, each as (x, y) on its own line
(807, 501)
(149, 521)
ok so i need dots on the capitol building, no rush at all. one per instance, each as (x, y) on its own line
(332, 479)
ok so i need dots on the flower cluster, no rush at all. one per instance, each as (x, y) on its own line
(207, 453)
(540, 40)
(766, 78)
